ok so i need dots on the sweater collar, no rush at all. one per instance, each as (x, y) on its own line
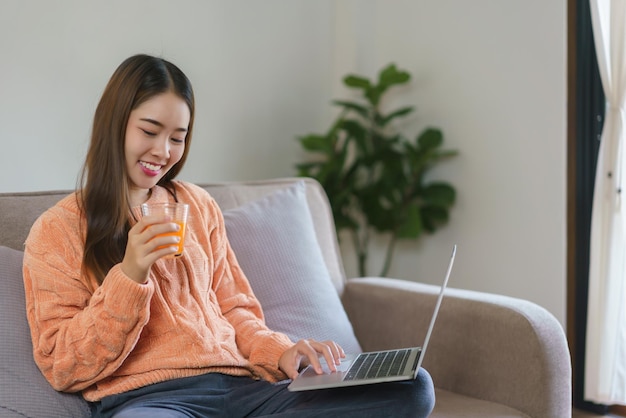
(159, 195)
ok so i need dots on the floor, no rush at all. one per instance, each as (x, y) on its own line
(582, 414)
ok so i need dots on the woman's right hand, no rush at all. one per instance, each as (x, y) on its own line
(144, 247)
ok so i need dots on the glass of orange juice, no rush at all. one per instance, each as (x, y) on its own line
(177, 212)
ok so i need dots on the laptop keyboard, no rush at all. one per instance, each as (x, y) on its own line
(379, 364)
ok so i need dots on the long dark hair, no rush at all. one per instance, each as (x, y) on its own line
(104, 193)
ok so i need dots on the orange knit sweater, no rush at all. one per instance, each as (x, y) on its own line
(197, 313)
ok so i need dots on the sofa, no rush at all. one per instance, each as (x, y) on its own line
(489, 355)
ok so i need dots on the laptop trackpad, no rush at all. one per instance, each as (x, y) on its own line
(344, 366)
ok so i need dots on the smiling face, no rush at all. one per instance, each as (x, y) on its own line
(154, 142)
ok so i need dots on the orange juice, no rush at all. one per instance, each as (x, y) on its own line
(175, 211)
(180, 233)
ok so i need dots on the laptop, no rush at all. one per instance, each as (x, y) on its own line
(373, 367)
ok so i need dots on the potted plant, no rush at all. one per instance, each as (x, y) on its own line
(373, 175)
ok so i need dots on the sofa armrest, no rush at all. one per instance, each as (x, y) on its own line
(491, 347)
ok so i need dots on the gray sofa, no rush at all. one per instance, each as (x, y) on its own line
(489, 356)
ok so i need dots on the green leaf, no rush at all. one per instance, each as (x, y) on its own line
(356, 132)
(412, 226)
(317, 143)
(439, 194)
(391, 75)
(308, 165)
(370, 203)
(430, 138)
(334, 128)
(356, 81)
(359, 108)
(395, 114)
(432, 216)
(304, 169)
(445, 154)
(373, 94)
(330, 172)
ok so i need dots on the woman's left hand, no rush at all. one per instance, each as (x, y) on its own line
(309, 352)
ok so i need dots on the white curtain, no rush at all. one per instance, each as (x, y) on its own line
(605, 362)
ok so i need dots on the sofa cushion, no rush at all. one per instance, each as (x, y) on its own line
(449, 404)
(275, 243)
(25, 392)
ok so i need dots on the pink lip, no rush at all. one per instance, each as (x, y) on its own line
(148, 172)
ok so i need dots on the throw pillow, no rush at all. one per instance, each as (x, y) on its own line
(275, 243)
(25, 392)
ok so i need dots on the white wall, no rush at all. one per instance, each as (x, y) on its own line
(490, 73)
(260, 72)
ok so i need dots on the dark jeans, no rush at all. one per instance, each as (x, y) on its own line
(218, 395)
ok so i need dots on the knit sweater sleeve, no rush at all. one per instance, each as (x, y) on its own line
(262, 346)
(80, 335)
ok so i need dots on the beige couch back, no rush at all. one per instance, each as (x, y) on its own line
(18, 211)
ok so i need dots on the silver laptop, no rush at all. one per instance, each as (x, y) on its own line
(373, 367)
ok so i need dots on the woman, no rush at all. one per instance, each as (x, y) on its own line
(141, 334)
